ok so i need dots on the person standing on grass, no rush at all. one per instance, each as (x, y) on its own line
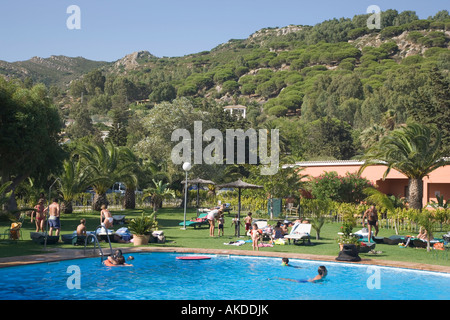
(372, 220)
(255, 233)
(53, 218)
(39, 214)
(212, 216)
(248, 222)
(237, 224)
(221, 220)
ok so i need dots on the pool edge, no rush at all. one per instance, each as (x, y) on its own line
(70, 254)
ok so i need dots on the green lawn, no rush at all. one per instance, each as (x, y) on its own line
(169, 219)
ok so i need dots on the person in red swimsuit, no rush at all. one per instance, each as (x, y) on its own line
(39, 214)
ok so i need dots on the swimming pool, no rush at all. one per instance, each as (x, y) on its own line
(160, 276)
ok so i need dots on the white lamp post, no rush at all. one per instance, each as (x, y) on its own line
(186, 167)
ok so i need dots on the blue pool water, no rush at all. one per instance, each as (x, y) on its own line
(160, 276)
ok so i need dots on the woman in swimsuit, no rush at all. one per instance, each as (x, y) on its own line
(108, 221)
(278, 232)
(39, 211)
(255, 237)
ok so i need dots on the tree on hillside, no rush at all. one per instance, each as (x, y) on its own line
(118, 132)
(29, 135)
(329, 138)
(94, 81)
(415, 151)
(432, 105)
(82, 125)
(163, 92)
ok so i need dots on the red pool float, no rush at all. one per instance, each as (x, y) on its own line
(193, 258)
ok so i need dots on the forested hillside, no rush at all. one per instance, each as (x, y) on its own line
(332, 89)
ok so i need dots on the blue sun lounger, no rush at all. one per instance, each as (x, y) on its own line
(198, 222)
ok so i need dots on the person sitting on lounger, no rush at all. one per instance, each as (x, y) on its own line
(423, 234)
(278, 232)
(81, 228)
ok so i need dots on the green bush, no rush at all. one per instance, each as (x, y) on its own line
(356, 33)
(187, 90)
(414, 36)
(230, 86)
(331, 186)
(391, 31)
(248, 88)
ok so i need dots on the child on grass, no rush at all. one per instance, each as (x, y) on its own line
(255, 233)
(237, 224)
(221, 223)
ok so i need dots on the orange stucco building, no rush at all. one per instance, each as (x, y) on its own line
(437, 183)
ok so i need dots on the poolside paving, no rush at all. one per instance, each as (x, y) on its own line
(58, 254)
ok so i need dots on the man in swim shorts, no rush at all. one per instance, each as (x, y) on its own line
(248, 222)
(372, 220)
(53, 218)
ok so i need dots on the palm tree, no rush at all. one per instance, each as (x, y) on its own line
(129, 160)
(108, 164)
(74, 179)
(159, 192)
(415, 151)
(372, 135)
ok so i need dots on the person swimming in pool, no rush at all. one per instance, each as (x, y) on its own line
(322, 273)
(285, 263)
(118, 259)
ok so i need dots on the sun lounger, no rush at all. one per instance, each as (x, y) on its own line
(365, 247)
(263, 227)
(363, 233)
(394, 240)
(300, 231)
(197, 222)
(419, 243)
(118, 219)
(378, 240)
(103, 236)
(39, 238)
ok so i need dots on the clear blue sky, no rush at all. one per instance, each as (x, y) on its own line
(110, 29)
